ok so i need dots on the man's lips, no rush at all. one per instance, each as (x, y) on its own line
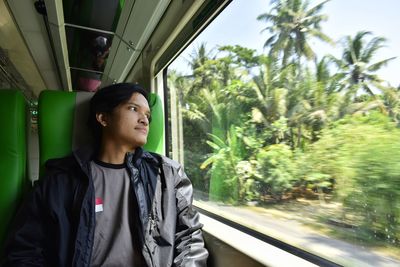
(143, 130)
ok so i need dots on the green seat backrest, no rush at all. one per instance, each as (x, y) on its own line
(13, 153)
(58, 111)
(62, 124)
(155, 139)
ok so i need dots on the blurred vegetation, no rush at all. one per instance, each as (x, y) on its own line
(282, 125)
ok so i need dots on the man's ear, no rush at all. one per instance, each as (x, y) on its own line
(102, 119)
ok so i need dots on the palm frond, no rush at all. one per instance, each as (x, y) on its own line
(376, 66)
(316, 9)
(371, 48)
(218, 142)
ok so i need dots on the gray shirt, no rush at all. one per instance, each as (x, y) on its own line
(115, 225)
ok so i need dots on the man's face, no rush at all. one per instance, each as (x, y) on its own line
(128, 124)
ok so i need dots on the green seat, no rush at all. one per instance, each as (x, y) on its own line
(13, 154)
(62, 124)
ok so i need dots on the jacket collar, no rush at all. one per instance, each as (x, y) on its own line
(85, 154)
(139, 155)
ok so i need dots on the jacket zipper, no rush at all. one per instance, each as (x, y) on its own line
(87, 255)
(134, 177)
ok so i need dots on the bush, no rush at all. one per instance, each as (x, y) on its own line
(376, 194)
(275, 167)
(362, 155)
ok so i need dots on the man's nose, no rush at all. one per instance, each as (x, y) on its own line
(144, 119)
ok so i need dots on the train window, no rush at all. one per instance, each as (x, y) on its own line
(286, 117)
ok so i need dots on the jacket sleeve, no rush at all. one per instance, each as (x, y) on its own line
(24, 246)
(189, 243)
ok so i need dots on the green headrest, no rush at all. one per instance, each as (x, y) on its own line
(13, 178)
(155, 139)
(62, 124)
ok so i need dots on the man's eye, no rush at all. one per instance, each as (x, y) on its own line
(132, 108)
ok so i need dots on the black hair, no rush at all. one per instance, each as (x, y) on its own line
(106, 99)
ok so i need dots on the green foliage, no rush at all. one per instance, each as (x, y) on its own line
(376, 194)
(276, 168)
(362, 155)
(249, 189)
(225, 184)
(391, 101)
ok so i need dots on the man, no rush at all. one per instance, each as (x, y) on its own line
(115, 205)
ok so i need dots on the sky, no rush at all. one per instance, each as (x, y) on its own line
(345, 17)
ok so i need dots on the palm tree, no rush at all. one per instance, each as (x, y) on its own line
(355, 65)
(391, 100)
(199, 56)
(292, 25)
(180, 85)
(198, 62)
(271, 95)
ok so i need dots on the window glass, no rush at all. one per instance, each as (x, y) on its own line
(286, 116)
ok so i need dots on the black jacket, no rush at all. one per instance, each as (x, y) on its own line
(55, 225)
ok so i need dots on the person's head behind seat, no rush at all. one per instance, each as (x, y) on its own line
(106, 100)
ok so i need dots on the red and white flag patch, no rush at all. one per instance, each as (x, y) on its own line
(99, 204)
